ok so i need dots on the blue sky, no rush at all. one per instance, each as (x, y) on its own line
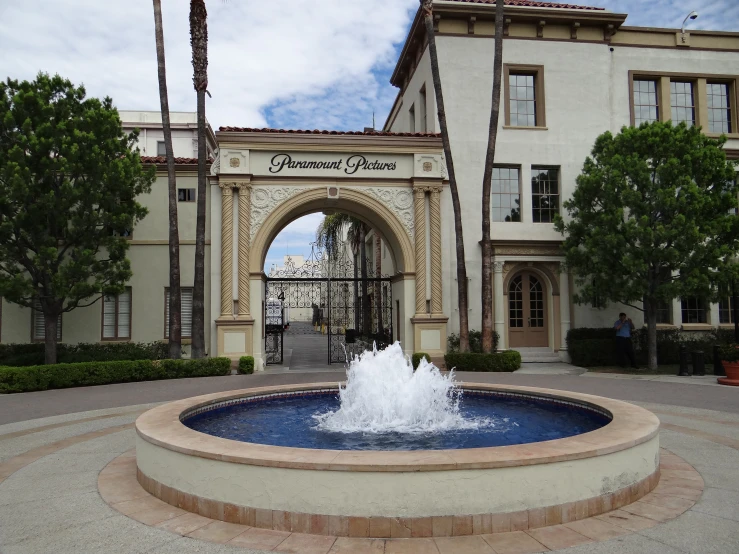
(279, 63)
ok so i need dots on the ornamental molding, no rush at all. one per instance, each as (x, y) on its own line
(264, 200)
(444, 172)
(397, 200)
(527, 251)
(215, 167)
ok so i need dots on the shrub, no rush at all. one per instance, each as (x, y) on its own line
(416, 359)
(510, 360)
(85, 374)
(33, 353)
(475, 341)
(246, 365)
(592, 352)
(730, 353)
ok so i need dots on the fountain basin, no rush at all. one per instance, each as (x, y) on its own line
(265, 486)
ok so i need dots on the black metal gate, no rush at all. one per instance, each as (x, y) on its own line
(353, 308)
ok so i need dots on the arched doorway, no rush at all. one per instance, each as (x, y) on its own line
(527, 311)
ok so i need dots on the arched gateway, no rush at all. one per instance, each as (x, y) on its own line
(262, 180)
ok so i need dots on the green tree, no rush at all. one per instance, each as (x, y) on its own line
(427, 11)
(650, 219)
(175, 294)
(199, 44)
(69, 176)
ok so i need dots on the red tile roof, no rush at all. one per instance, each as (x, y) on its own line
(162, 160)
(531, 4)
(324, 132)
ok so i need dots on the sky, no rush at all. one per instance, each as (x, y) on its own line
(306, 64)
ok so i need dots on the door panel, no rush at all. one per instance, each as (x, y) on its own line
(527, 314)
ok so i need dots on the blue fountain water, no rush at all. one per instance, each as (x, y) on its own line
(385, 405)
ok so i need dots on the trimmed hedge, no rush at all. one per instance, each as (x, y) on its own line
(416, 359)
(597, 347)
(246, 365)
(510, 360)
(475, 337)
(61, 376)
(20, 355)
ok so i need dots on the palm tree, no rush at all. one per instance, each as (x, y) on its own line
(330, 236)
(175, 297)
(199, 44)
(464, 339)
(487, 248)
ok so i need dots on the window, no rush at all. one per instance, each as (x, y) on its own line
(422, 107)
(524, 95)
(412, 119)
(646, 106)
(544, 193)
(161, 150)
(694, 310)
(726, 310)
(186, 195)
(38, 332)
(186, 304)
(719, 107)
(506, 197)
(682, 102)
(664, 312)
(117, 316)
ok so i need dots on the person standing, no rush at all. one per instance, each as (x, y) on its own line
(624, 349)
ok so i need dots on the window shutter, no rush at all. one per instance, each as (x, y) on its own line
(186, 313)
(109, 317)
(39, 325)
(124, 315)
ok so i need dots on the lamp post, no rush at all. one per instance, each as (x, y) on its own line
(691, 16)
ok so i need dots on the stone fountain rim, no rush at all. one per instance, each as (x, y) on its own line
(631, 425)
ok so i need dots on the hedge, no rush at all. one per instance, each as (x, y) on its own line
(33, 353)
(475, 338)
(597, 347)
(510, 360)
(61, 376)
(416, 359)
(246, 365)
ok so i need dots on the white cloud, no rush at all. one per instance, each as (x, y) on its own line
(294, 239)
(716, 15)
(261, 53)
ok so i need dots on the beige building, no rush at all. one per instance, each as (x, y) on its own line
(570, 73)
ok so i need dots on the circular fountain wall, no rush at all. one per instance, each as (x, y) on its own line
(534, 484)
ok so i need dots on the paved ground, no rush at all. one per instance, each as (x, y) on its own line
(49, 502)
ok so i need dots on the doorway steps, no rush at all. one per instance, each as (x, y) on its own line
(542, 355)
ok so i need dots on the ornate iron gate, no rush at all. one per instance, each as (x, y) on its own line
(352, 310)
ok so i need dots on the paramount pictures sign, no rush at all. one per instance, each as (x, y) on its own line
(333, 165)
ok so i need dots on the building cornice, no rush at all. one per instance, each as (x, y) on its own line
(324, 142)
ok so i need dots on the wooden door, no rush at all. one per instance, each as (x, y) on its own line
(527, 314)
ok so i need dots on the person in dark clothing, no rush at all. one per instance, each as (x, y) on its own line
(624, 348)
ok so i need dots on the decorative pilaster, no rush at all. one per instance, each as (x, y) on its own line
(500, 308)
(435, 232)
(419, 211)
(227, 223)
(564, 306)
(244, 239)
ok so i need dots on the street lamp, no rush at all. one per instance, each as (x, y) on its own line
(692, 15)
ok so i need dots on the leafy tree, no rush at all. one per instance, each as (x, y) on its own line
(487, 182)
(69, 176)
(428, 19)
(175, 294)
(650, 219)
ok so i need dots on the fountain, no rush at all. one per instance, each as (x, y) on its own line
(394, 444)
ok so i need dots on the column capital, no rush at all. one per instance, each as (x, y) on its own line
(498, 267)
(227, 186)
(242, 187)
(435, 189)
(420, 190)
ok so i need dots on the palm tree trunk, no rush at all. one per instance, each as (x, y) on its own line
(175, 296)
(487, 249)
(199, 43)
(378, 283)
(464, 340)
(363, 264)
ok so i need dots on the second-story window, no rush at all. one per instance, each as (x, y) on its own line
(682, 102)
(506, 196)
(412, 119)
(646, 104)
(718, 98)
(422, 107)
(544, 193)
(186, 195)
(522, 105)
(161, 150)
(694, 310)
